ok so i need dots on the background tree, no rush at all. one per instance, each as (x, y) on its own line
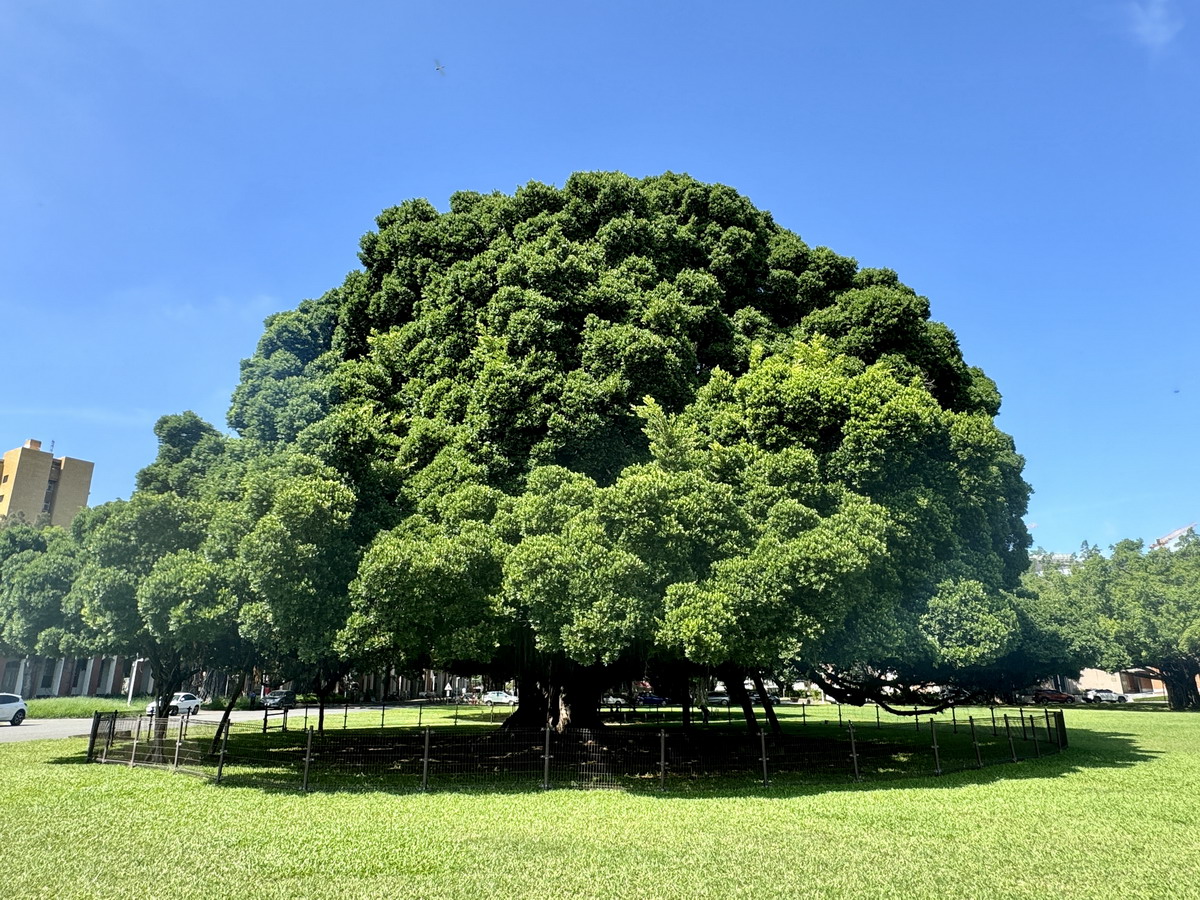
(1152, 611)
(38, 566)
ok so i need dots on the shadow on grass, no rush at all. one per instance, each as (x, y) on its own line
(884, 767)
(77, 759)
(817, 765)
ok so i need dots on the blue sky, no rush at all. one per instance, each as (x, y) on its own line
(172, 173)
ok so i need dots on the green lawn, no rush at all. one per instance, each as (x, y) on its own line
(1116, 816)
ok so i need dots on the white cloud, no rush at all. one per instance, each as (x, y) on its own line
(1153, 23)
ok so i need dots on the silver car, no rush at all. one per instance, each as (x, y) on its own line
(12, 709)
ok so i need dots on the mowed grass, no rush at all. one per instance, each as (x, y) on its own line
(81, 707)
(1116, 816)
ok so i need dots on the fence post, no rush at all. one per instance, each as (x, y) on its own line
(993, 721)
(854, 753)
(425, 762)
(662, 759)
(839, 715)
(937, 757)
(803, 715)
(266, 712)
(1037, 749)
(1061, 728)
(953, 720)
(546, 758)
(283, 724)
(878, 724)
(221, 761)
(975, 742)
(345, 715)
(112, 728)
(1023, 737)
(762, 740)
(92, 738)
(1012, 748)
(1048, 726)
(178, 741)
(136, 735)
(307, 761)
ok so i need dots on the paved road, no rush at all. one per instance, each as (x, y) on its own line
(42, 729)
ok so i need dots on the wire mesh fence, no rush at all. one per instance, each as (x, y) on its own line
(859, 745)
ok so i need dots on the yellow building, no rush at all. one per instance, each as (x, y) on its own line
(36, 484)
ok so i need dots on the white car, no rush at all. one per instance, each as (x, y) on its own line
(1103, 695)
(498, 698)
(12, 709)
(181, 702)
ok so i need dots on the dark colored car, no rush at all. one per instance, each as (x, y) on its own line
(717, 700)
(1045, 695)
(649, 700)
(280, 700)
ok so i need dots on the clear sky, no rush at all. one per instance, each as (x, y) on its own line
(171, 173)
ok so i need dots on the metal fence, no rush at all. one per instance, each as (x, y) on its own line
(812, 749)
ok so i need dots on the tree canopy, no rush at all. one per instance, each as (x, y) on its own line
(581, 435)
(635, 423)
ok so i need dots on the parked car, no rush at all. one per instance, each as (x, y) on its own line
(717, 700)
(612, 700)
(1104, 695)
(181, 702)
(1045, 695)
(12, 709)
(498, 698)
(649, 700)
(755, 699)
(280, 700)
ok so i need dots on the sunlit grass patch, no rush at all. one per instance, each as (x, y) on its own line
(1067, 825)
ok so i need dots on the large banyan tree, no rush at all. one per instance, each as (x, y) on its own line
(634, 427)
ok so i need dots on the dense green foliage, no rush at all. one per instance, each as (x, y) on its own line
(581, 436)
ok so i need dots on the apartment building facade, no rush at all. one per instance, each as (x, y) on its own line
(37, 486)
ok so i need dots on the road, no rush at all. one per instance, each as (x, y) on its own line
(44, 729)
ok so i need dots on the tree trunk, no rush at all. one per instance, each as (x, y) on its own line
(734, 678)
(34, 665)
(168, 678)
(768, 709)
(1180, 682)
(223, 725)
(561, 694)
